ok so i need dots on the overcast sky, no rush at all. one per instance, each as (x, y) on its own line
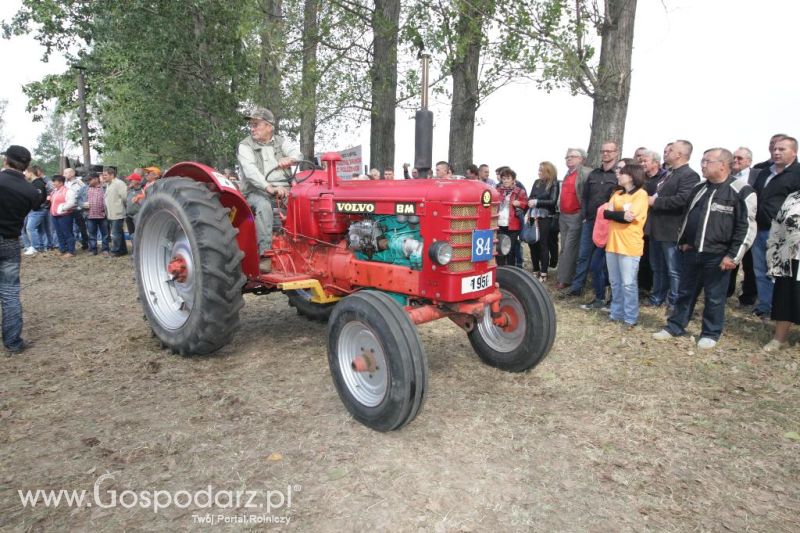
(716, 72)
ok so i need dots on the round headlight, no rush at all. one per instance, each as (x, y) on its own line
(413, 219)
(441, 253)
(402, 219)
(503, 244)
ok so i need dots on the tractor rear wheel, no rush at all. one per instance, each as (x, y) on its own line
(188, 267)
(377, 362)
(531, 328)
(301, 300)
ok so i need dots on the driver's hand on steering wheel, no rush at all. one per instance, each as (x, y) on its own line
(285, 162)
(277, 192)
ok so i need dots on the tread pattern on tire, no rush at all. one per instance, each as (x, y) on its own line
(405, 331)
(215, 316)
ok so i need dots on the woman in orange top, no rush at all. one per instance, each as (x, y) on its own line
(627, 213)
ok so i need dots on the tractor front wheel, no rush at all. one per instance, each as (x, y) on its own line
(377, 362)
(530, 327)
(188, 267)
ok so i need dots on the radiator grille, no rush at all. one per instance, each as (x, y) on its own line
(462, 235)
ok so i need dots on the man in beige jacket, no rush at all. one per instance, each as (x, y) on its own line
(116, 192)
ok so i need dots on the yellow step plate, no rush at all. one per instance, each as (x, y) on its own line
(318, 295)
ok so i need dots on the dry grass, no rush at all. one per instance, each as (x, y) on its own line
(612, 432)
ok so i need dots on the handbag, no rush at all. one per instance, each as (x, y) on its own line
(530, 229)
(600, 231)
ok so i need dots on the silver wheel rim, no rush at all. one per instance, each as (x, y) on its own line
(497, 338)
(368, 388)
(160, 241)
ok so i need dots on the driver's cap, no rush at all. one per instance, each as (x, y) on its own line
(261, 113)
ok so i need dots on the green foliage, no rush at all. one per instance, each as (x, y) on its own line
(448, 29)
(563, 31)
(168, 79)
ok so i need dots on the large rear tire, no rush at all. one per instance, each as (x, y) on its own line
(531, 330)
(188, 267)
(301, 300)
(377, 362)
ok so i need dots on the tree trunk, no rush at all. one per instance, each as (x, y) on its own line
(308, 87)
(87, 154)
(613, 77)
(269, 65)
(465, 87)
(385, 21)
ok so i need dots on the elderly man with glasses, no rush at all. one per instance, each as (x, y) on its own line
(570, 220)
(259, 153)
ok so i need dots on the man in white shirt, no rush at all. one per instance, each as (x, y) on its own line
(742, 159)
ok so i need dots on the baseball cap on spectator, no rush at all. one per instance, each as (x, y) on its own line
(20, 154)
(134, 177)
(155, 170)
(261, 113)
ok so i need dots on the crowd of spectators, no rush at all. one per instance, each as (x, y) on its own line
(90, 212)
(660, 233)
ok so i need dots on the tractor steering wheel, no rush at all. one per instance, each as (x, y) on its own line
(296, 165)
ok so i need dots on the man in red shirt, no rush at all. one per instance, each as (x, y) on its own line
(570, 223)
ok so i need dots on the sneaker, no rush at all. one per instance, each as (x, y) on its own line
(775, 345)
(628, 326)
(706, 343)
(596, 304)
(265, 265)
(759, 313)
(662, 335)
(29, 251)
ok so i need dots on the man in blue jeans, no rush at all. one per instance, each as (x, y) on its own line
(36, 225)
(600, 183)
(17, 199)
(716, 231)
(115, 196)
(773, 184)
(667, 204)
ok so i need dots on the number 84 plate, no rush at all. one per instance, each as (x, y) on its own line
(476, 283)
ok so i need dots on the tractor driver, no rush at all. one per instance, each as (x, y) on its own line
(258, 153)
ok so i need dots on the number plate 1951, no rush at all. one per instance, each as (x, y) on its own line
(476, 283)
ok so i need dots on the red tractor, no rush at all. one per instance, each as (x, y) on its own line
(372, 258)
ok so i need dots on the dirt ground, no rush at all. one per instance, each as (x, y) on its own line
(612, 432)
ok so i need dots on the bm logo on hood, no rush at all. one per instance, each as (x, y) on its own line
(355, 207)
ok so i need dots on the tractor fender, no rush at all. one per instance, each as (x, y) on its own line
(240, 215)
